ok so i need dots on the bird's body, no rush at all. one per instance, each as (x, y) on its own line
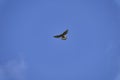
(63, 35)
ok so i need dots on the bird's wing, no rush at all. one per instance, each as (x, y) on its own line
(65, 32)
(57, 36)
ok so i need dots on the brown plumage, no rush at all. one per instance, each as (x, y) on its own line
(62, 36)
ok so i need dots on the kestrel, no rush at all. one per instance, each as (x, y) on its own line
(62, 36)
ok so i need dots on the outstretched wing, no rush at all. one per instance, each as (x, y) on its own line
(61, 35)
(65, 32)
(57, 36)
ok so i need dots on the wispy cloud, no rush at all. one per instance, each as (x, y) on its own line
(2, 2)
(118, 75)
(113, 47)
(118, 2)
(13, 70)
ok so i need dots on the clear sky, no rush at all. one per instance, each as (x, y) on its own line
(28, 50)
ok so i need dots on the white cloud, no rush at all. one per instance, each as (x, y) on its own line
(14, 70)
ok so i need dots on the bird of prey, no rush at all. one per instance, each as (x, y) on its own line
(62, 36)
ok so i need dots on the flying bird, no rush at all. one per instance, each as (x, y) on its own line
(62, 36)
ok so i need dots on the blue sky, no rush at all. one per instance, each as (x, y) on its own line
(29, 51)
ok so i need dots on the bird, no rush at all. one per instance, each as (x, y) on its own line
(62, 36)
